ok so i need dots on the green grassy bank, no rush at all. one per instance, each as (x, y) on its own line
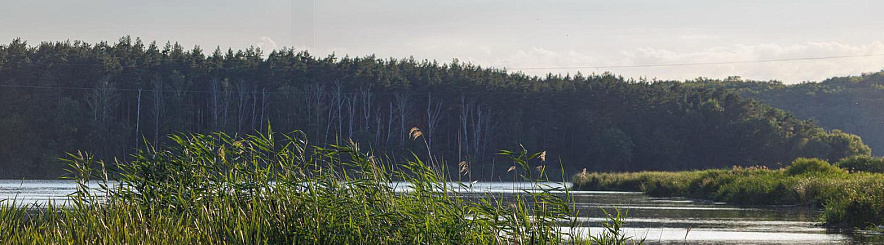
(850, 198)
(278, 189)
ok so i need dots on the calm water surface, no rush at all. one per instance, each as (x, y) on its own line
(658, 220)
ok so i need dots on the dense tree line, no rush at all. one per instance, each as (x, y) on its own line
(854, 104)
(109, 98)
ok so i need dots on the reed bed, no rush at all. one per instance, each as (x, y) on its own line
(849, 199)
(278, 189)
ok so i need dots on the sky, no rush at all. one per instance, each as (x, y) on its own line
(625, 37)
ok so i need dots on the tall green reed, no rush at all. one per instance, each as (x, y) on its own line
(277, 188)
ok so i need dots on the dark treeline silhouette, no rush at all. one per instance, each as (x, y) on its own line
(110, 98)
(854, 104)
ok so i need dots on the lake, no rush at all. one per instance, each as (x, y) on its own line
(658, 220)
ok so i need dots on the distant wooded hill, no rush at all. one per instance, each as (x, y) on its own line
(853, 104)
(109, 98)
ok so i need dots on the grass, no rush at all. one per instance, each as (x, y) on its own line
(278, 189)
(850, 200)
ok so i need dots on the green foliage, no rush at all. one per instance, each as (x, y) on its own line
(278, 189)
(862, 163)
(812, 166)
(110, 98)
(850, 200)
(614, 147)
(845, 145)
(858, 203)
(852, 104)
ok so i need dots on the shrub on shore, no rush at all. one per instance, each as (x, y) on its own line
(862, 164)
(849, 199)
(813, 166)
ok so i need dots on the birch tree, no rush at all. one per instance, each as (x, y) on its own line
(265, 105)
(402, 107)
(433, 117)
(389, 124)
(138, 121)
(242, 96)
(463, 132)
(216, 101)
(254, 95)
(377, 128)
(158, 109)
(314, 104)
(367, 102)
(339, 106)
(351, 112)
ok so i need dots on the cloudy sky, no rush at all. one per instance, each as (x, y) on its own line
(536, 37)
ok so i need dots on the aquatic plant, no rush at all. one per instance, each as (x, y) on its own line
(278, 189)
(849, 200)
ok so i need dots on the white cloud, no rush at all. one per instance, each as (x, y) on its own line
(699, 37)
(266, 43)
(786, 71)
(536, 57)
(618, 60)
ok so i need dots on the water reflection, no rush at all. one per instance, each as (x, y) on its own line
(658, 220)
(685, 221)
(38, 192)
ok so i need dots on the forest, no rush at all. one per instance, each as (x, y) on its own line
(110, 98)
(852, 103)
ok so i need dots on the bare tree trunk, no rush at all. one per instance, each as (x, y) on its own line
(138, 121)
(158, 107)
(264, 106)
(216, 101)
(331, 116)
(318, 95)
(465, 114)
(389, 126)
(105, 95)
(377, 129)
(94, 104)
(366, 108)
(433, 112)
(339, 105)
(351, 109)
(240, 118)
(180, 87)
(308, 99)
(100, 102)
(487, 131)
(402, 105)
(477, 129)
(254, 108)
(228, 96)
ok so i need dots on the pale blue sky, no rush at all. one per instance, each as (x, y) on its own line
(512, 34)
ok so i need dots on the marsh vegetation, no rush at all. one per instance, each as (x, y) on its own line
(278, 189)
(852, 196)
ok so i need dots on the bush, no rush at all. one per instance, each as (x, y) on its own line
(860, 203)
(813, 166)
(862, 163)
(850, 200)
